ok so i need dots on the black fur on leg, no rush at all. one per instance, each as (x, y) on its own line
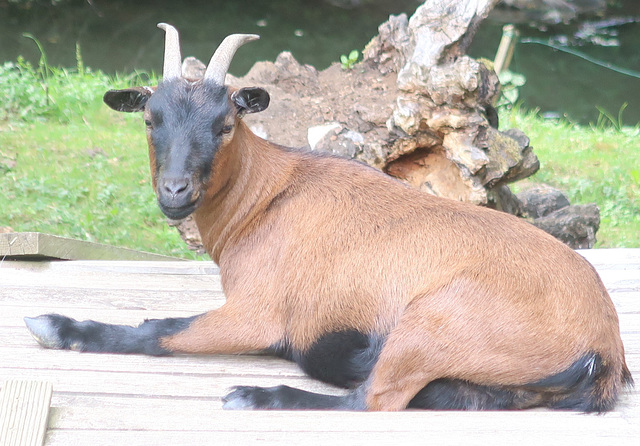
(455, 394)
(576, 388)
(61, 332)
(343, 358)
(288, 398)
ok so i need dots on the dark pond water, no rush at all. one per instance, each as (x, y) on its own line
(564, 84)
(120, 36)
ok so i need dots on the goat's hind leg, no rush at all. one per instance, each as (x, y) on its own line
(64, 333)
(289, 398)
(343, 358)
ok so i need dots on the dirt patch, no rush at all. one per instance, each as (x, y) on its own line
(360, 99)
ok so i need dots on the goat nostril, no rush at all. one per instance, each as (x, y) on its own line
(176, 186)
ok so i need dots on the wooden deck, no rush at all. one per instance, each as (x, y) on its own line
(103, 399)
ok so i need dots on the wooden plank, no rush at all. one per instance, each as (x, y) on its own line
(458, 435)
(196, 301)
(616, 258)
(24, 411)
(626, 302)
(174, 384)
(92, 280)
(180, 267)
(617, 281)
(47, 246)
(210, 366)
(132, 418)
(154, 438)
(120, 399)
(629, 322)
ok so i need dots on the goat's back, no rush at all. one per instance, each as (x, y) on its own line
(353, 247)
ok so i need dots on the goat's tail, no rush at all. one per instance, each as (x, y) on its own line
(589, 385)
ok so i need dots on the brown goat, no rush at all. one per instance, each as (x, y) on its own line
(409, 299)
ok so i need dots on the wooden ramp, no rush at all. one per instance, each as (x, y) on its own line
(103, 399)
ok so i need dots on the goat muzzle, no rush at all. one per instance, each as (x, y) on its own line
(177, 197)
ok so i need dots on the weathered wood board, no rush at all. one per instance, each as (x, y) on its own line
(36, 245)
(104, 399)
(24, 412)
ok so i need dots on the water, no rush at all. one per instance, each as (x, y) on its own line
(122, 36)
(563, 84)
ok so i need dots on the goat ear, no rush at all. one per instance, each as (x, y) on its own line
(128, 100)
(250, 100)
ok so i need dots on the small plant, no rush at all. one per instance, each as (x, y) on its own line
(607, 120)
(348, 62)
(510, 84)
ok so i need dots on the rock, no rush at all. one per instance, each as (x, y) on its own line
(439, 30)
(576, 225)
(343, 142)
(550, 210)
(445, 93)
(260, 130)
(464, 81)
(286, 72)
(510, 158)
(317, 133)
(385, 51)
(502, 199)
(192, 68)
(189, 232)
(431, 171)
(540, 201)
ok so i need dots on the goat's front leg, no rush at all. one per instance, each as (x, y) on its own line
(225, 330)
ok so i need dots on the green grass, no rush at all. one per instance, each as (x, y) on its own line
(88, 180)
(591, 164)
(72, 167)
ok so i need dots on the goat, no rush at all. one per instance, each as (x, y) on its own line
(407, 299)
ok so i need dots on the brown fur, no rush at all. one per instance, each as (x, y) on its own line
(309, 245)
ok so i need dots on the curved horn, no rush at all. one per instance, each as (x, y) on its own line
(219, 63)
(172, 67)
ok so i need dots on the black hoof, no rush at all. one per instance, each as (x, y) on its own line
(47, 330)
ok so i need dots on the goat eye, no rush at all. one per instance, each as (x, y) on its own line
(148, 123)
(226, 129)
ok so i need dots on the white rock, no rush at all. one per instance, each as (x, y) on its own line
(316, 133)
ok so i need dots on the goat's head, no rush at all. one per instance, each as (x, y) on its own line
(188, 121)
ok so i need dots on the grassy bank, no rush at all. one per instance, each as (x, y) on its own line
(70, 166)
(598, 164)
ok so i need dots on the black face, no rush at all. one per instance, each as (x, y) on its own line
(186, 123)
